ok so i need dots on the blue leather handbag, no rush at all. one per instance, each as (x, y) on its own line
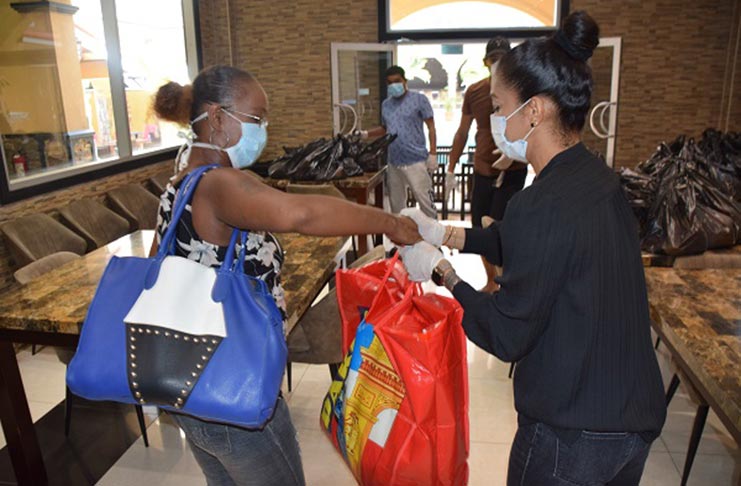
(171, 332)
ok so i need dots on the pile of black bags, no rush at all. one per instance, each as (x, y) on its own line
(687, 196)
(326, 160)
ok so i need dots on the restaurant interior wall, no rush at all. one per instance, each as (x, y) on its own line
(679, 63)
(286, 45)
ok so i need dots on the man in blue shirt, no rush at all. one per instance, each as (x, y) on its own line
(404, 112)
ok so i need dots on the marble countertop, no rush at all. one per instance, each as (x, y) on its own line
(57, 302)
(698, 315)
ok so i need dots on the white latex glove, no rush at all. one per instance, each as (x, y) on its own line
(431, 163)
(430, 230)
(420, 260)
(449, 184)
(502, 162)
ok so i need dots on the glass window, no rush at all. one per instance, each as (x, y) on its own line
(152, 53)
(58, 109)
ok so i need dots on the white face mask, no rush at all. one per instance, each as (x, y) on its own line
(516, 150)
(248, 148)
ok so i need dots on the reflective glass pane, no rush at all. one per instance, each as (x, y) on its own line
(55, 98)
(456, 15)
(153, 53)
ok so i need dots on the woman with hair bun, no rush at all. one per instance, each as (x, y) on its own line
(228, 112)
(572, 310)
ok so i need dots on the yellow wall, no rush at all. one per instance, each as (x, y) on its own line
(68, 67)
(40, 84)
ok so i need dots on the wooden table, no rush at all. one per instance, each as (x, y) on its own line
(51, 309)
(358, 189)
(697, 314)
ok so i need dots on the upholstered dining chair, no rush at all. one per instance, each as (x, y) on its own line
(136, 204)
(94, 222)
(35, 236)
(158, 182)
(317, 337)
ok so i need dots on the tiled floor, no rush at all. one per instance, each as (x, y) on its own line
(168, 460)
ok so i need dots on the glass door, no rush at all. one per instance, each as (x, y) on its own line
(601, 134)
(359, 84)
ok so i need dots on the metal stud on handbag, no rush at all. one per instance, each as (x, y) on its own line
(171, 332)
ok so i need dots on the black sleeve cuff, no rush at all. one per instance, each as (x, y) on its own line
(484, 242)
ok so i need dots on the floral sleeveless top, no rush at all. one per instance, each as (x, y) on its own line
(263, 254)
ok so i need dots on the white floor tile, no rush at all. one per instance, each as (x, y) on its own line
(660, 470)
(488, 464)
(711, 469)
(323, 465)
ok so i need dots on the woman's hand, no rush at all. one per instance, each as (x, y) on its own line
(405, 232)
(420, 260)
(432, 231)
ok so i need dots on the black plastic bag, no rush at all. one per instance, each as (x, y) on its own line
(326, 160)
(685, 195)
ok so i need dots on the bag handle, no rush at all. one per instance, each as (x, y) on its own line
(182, 198)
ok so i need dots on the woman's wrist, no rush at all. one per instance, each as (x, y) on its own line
(447, 275)
(454, 237)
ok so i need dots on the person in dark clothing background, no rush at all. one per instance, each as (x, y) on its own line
(492, 187)
(572, 309)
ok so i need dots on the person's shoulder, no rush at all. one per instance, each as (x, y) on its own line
(418, 96)
(480, 85)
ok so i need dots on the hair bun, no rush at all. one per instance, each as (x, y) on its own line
(578, 36)
(173, 102)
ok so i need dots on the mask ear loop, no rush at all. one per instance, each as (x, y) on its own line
(211, 135)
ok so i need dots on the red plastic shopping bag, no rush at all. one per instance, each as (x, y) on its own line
(398, 411)
(358, 287)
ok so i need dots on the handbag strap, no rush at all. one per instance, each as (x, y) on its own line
(182, 198)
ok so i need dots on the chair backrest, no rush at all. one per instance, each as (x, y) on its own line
(316, 189)
(33, 237)
(94, 222)
(43, 265)
(377, 253)
(158, 182)
(136, 204)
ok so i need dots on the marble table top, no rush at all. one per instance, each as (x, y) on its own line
(698, 315)
(369, 179)
(57, 302)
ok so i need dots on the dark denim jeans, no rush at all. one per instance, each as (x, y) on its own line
(539, 458)
(232, 456)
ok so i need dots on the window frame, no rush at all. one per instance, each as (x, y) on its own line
(385, 34)
(42, 183)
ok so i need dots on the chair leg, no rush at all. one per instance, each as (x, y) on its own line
(142, 424)
(289, 375)
(672, 388)
(334, 370)
(34, 350)
(511, 369)
(67, 410)
(658, 341)
(702, 415)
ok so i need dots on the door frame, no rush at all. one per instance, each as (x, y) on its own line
(616, 43)
(335, 48)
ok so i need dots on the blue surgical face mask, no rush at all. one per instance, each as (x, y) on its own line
(248, 148)
(250, 145)
(516, 150)
(396, 90)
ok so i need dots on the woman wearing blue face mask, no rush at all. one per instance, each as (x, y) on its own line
(572, 310)
(228, 112)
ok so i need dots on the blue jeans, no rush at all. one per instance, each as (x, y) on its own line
(246, 457)
(539, 458)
